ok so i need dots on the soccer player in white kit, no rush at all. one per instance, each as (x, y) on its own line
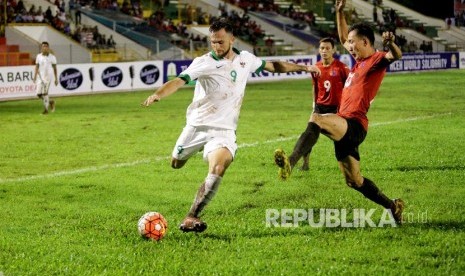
(46, 65)
(212, 116)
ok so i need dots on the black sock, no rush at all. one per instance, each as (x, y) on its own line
(370, 191)
(305, 143)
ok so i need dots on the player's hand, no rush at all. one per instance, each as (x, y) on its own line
(314, 70)
(388, 38)
(340, 4)
(151, 99)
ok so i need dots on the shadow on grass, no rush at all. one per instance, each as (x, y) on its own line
(311, 231)
(273, 233)
(307, 230)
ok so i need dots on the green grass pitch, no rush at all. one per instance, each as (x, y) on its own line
(73, 185)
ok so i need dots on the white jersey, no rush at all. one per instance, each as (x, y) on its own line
(45, 72)
(220, 88)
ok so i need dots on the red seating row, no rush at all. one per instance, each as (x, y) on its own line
(8, 48)
(11, 56)
(15, 59)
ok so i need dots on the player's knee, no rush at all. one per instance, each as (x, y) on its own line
(218, 169)
(353, 182)
(315, 118)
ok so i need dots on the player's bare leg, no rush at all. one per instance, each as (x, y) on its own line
(219, 161)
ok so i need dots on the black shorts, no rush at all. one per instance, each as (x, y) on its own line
(349, 143)
(323, 109)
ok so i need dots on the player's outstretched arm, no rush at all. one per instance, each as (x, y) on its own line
(342, 29)
(394, 51)
(284, 67)
(165, 90)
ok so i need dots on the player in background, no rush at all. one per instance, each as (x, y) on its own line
(212, 116)
(46, 65)
(348, 128)
(327, 89)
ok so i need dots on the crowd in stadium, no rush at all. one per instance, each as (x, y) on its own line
(245, 28)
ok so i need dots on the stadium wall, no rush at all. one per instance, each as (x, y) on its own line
(80, 79)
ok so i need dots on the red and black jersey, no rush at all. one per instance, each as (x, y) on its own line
(362, 86)
(327, 88)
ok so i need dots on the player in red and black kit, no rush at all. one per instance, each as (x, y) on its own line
(327, 87)
(349, 126)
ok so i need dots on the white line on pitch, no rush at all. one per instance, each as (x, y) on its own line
(146, 161)
(410, 119)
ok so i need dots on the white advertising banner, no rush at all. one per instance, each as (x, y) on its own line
(74, 79)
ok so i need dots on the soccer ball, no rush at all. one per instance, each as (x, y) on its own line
(153, 226)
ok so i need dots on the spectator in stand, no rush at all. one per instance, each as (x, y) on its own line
(421, 29)
(137, 9)
(111, 42)
(401, 42)
(269, 42)
(423, 47)
(412, 47)
(20, 7)
(462, 18)
(39, 16)
(62, 17)
(27, 17)
(67, 29)
(32, 9)
(61, 6)
(354, 16)
(72, 10)
(40, 10)
(77, 13)
(190, 13)
(48, 15)
(430, 47)
(125, 8)
(57, 23)
(392, 15)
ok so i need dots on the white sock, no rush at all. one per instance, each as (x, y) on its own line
(212, 181)
(205, 194)
(46, 101)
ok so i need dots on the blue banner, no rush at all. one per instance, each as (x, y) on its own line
(425, 61)
(173, 68)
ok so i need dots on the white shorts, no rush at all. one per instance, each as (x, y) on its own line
(208, 139)
(42, 87)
